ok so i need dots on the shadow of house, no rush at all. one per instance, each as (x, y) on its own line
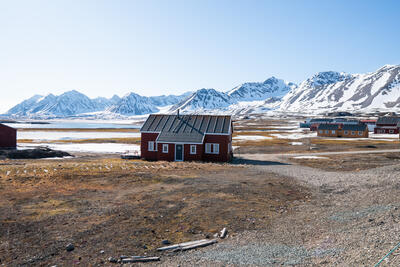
(257, 162)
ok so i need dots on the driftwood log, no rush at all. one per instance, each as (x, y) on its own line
(180, 245)
(139, 259)
(223, 233)
(197, 245)
(189, 245)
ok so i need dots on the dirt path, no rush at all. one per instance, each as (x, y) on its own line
(286, 155)
(351, 220)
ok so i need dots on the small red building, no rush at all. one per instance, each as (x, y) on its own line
(8, 137)
(387, 125)
(187, 137)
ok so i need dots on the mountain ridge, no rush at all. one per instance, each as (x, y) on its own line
(323, 91)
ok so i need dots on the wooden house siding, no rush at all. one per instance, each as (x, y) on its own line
(348, 134)
(386, 129)
(8, 137)
(346, 131)
(144, 148)
(387, 125)
(221, 135)
(224, 142)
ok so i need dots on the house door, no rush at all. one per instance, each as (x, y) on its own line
(178, 152)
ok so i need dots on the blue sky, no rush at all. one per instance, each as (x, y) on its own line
(153, 47)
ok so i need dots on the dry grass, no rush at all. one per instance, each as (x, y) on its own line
(121, 206)
(338, 141)
(284, 145)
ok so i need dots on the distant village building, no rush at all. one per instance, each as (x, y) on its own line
(187, 137)
(346, 130)
(387, 125)
(8, 137)
(354, 130)
(370, 123)
(315, 123)
(328, 130)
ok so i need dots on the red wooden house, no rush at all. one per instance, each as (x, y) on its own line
(8, 137)
(187, 137)
(387, 125)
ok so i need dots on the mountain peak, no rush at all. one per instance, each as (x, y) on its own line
(271, 80)
(271, 87)
(336, 91)
(72, 92)
(388, 67)
(327, 77)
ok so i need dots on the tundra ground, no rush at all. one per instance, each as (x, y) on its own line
(329, 210)
(128, 207)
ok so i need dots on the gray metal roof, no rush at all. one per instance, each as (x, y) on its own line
(358, 127)
(316, 120)
(326, 126)
(186, 128)
(388, 120)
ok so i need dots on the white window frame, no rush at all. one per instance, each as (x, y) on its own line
(208, 148)
(353, 132)
(333, 131)
(391, 131)
(346, 132)
(321, 131)
(327, 131)
(193, 149)
(212, 148)
(360, 133)
(165, 148)
(151, 146)
(215, 148)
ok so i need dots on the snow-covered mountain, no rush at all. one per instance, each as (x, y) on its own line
(324, 91)
(204, 99)
(70, 103)
(244, 98)
(346, 92)
(25, 106)
(67, 104)
(167, 100)
(74, 103)
(103, 103)
(271, 87)
(133, 104)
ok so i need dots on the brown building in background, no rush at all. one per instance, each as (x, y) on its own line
(346, 131)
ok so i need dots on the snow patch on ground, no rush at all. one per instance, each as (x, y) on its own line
(389, 136)
(309, 157)
(296, 143)
(284, 127)
(87, 148)
(295, 135)
(52, 136)
(250, 138)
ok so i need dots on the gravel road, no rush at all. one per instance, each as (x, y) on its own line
(352, 219)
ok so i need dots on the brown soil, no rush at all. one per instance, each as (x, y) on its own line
(128, 207)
